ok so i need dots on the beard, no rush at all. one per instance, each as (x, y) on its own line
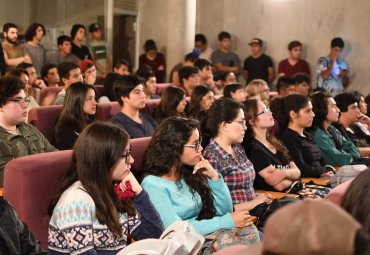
(10, 40)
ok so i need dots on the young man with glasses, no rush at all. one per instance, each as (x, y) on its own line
(16, 137)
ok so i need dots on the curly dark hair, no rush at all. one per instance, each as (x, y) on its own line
(164, 153)
(319, 102)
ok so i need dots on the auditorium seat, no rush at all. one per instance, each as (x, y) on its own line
(30, 183)
(49, 90)
(161, 87)
(150, 106)
(44, 119)
(139, 145)
(99, 91)
(105, 111)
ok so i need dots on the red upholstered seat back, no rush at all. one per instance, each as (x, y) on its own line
(44, 119)
(150, 106)
(105, 111)
(30, 183)
(139, 145)
(161, 87)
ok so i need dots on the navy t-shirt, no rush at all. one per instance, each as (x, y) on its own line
(134, 129)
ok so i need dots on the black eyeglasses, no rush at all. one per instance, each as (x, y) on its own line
(265, 111)
(21, 101)
(195, 145)
(126, 155)
(243, 123)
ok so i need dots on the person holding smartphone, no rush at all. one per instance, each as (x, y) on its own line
(332, 70)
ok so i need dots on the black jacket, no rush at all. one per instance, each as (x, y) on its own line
(15, 238)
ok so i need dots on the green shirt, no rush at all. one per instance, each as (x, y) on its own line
(335, 155)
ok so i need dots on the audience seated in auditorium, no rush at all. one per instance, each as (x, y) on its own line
(201, 44)
(88, 71)
(189, 60)
(149, 81)
(64, 52)
(78, 111)
(15, 237)
(336, 149)
(17, 138)
(295, 115)
(183, 185)
(235, 91)
(69, 73)
(14, 52)
(258, 65)
(200, 101)
(34, 34)
(349, 115)
(226, 125)
(99, 50)
(122, 67)
(34, 81)
(78, 36)
(258, 89)
(333, 71)
(311, 227)
(293, 64)
(285, 86)
(223, 59)
(302, 83)
(275, 169)
(356, 200)
(50, 76)
(154, 59)
(100, 202)
(205, 75)
(129, 92)
(173, 103)
(189, 79)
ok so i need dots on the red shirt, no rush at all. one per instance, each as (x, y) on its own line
(300, 67)
(154, 64)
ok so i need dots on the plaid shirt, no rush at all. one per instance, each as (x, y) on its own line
(238, 172)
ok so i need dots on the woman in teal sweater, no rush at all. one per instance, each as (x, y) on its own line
(336, 150)
(183, 185)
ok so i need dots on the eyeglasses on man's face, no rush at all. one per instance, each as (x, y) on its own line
(20, 101)
(127, 154)
(266, 111)
(196, 145)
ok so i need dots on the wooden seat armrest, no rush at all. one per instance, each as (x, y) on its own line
(277, 194)
(317, 181)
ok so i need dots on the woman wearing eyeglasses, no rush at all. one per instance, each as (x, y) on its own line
(272, 163)
(226, 125)
(183, 185)
(100, 202)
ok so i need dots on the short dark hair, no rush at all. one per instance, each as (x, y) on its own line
(186, 72)
(191, 57)
(9, 87)
(17, 72)
(284, 82)
(337, 42)
(223, 35)
(231, 88)
(45, 69)
(64, 68)
(7, 26)
(201, 63)
(75, 28)
(121, 62)
(63, 38)
(24, 65)
(31, 31)
(344, 100)
(201, 38)
(150, 45)
(302, 77)
(294, 44)
(123, 85)
(145, 72)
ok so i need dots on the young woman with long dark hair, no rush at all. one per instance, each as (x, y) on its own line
(200, 101)
(78, 111)
(173, 103)
(100, 202)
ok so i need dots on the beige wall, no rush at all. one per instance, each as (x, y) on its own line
(313, 22)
